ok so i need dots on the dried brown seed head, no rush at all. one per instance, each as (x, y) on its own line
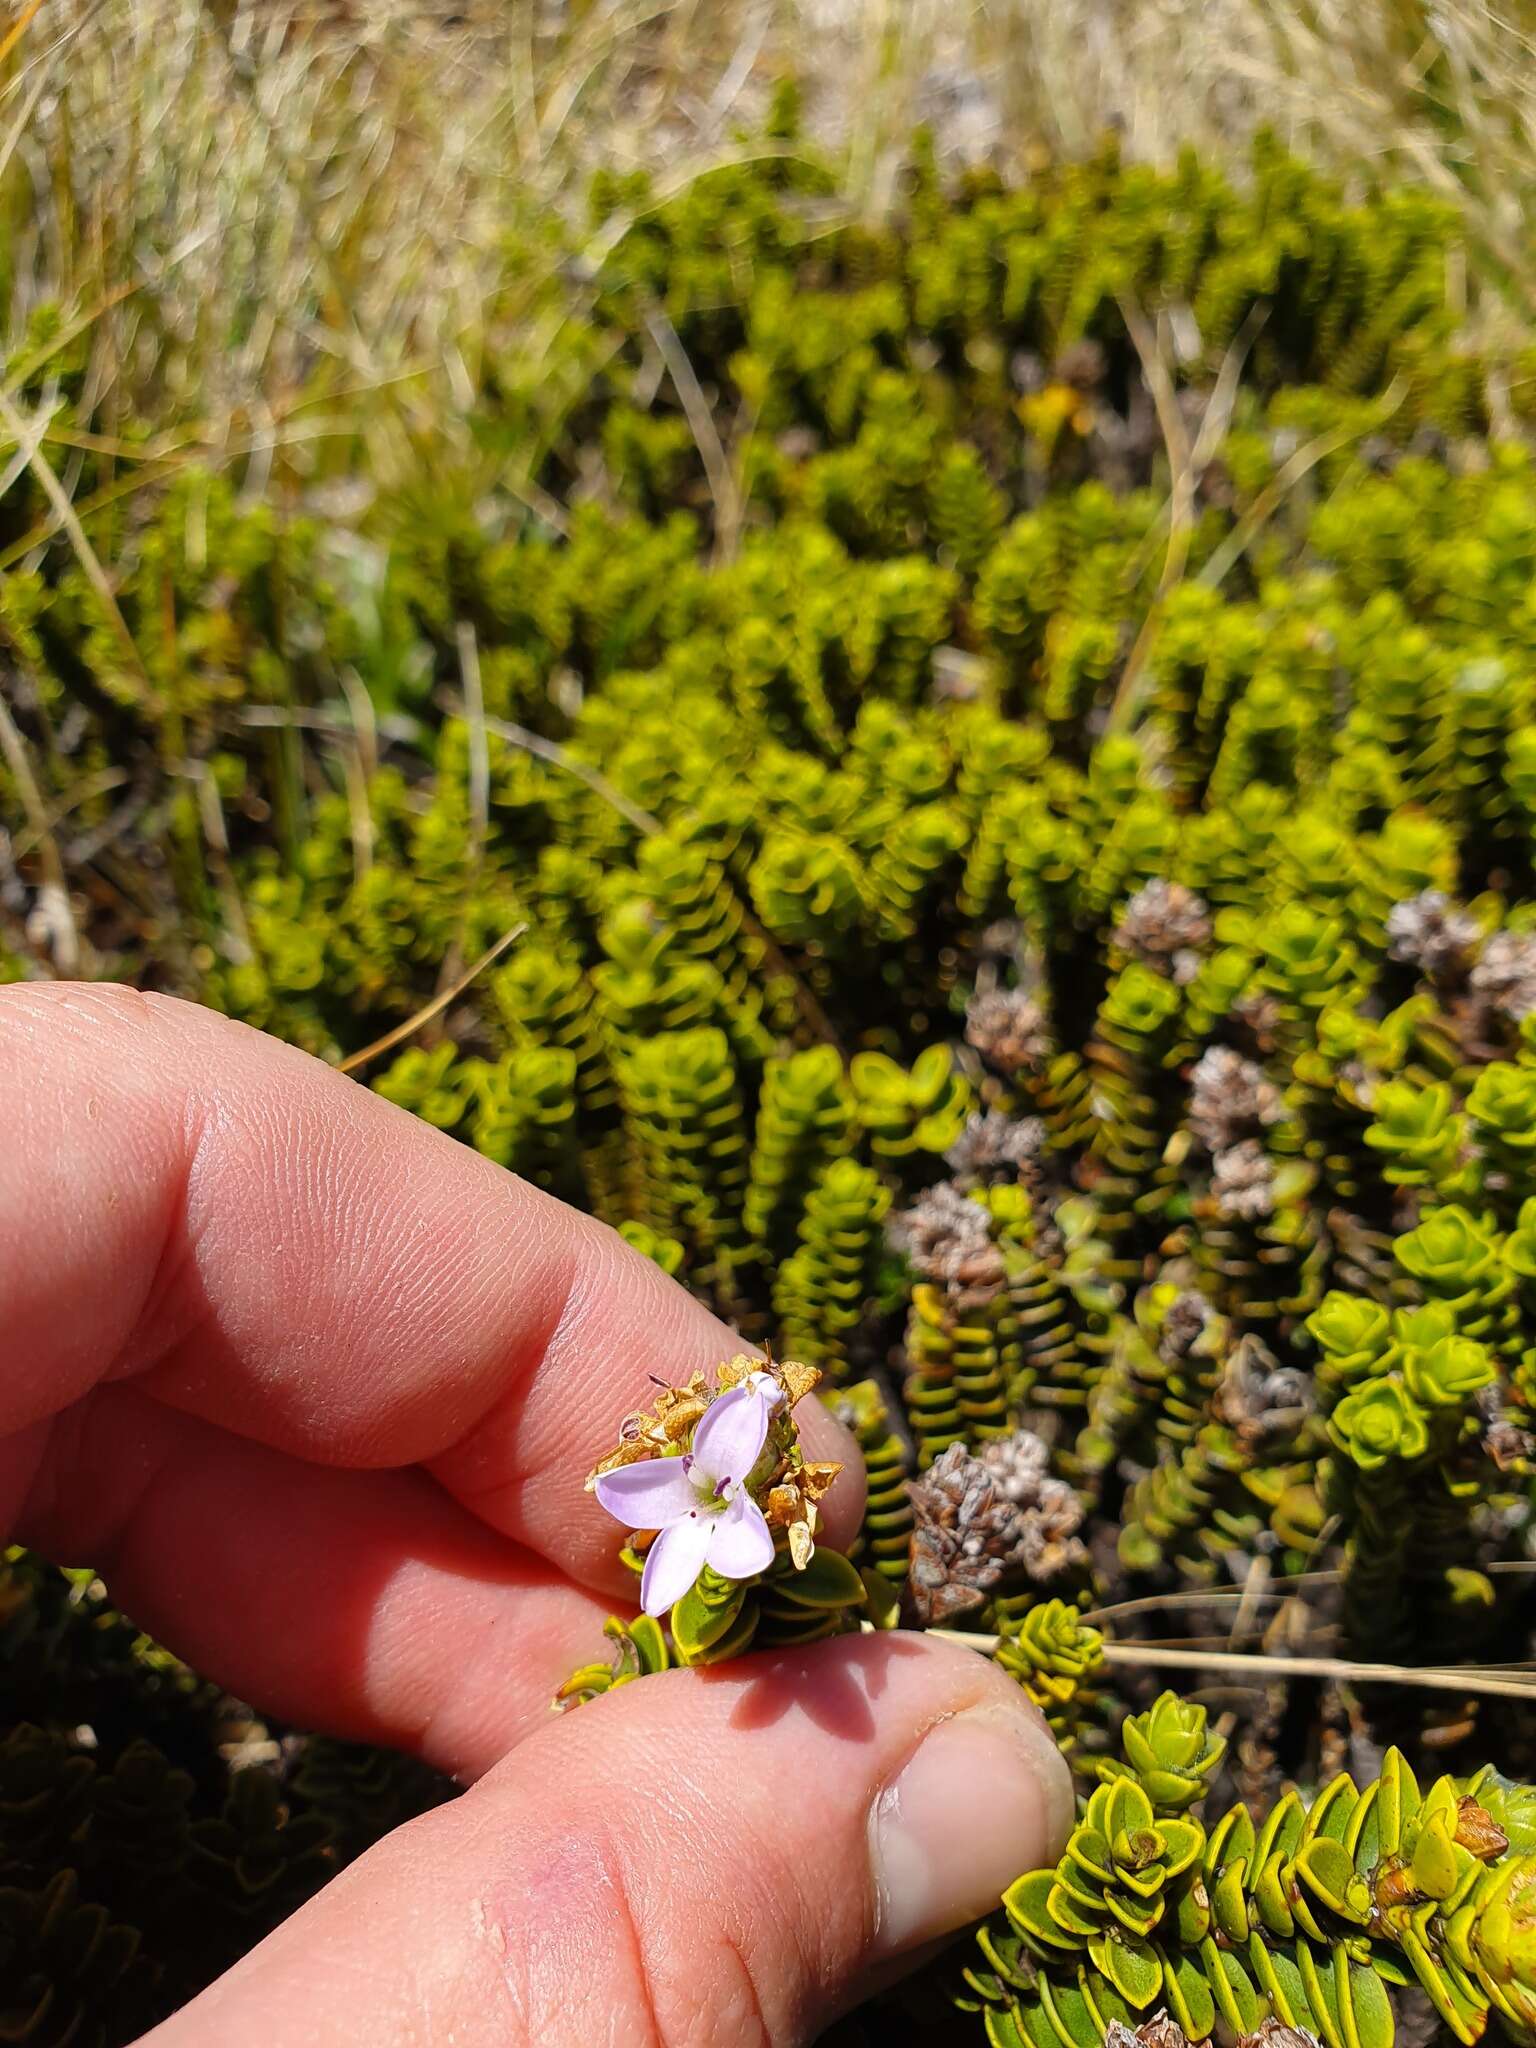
(985, 1521)
(1008, 1028)
(1427, 931)
(1505, 975)
(1188, 1317)
(1477, 1830)
(1165, 925)
(1257, 1397)
(1242, 1182)
(1161, 2031)
(1274, 2033)
(994, 1146)
(948, 1240)
(1230, 1098)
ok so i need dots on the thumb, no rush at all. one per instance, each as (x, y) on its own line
(699, 1860)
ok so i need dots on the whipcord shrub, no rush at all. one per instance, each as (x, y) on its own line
(1011, 735)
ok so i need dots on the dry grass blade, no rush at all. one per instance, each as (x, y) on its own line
(18, 28)
(701, 422)
(1269, 500)
(1187, 462)
(360, 762)
(100, 784)
(479, 750)
(561, 757)
(1209, 1596)
(29, 438)
(210, 812)
(1474, 1678)
(778, 962)
(438, 1004)
(53, 892)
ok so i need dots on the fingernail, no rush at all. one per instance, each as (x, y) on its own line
(984, 1797)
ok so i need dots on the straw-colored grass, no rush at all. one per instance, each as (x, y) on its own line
(231, 196)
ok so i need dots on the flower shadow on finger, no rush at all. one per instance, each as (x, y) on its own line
(831, 1684)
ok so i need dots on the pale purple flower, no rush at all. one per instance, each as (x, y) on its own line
(699, 1503)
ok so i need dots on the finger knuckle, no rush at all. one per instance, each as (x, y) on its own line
(654, 1972)
(693, 1979)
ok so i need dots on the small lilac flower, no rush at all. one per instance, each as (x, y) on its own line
(698, 1502)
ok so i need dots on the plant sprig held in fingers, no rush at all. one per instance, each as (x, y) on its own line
(722, 1506)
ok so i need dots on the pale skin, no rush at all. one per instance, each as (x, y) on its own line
(316, 1389)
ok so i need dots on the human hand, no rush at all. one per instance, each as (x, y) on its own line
(316, 1389)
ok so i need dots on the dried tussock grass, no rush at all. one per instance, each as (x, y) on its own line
(254, 203)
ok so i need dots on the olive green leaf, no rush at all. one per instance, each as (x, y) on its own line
(1171, 1751)
(705, 1622)
(1133, 1967)
(1379, 1422)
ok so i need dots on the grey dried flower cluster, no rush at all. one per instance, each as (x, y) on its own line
(1082, 364)
(947, 1239)
(1429, 932)
(1008, 1028)
(1163, 2031)
(1278, 2033)
(994, 1146)
(1506, 1443)
(1165, 925)
(1189, 1316)
(1258, 1398)
(1505, 975)
(1230, 1098)
(1243, 1182)
(1259, 1014)
(985, 1520)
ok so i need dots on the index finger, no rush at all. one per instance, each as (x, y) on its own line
(257, 1241)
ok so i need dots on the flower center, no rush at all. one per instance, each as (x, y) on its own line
(714, 1494)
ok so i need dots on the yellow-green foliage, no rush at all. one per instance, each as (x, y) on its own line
(1305, 1918)
(1047, 935)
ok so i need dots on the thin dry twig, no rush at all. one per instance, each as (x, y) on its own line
(1473, 1679)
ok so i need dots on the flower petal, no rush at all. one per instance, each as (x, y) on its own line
(765, 1384)
(648, 1494)
(740, 1545)
(730, 1437)
(675, 1560)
